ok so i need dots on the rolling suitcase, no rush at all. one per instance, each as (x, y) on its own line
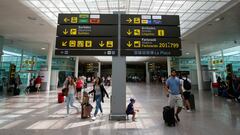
(192, 102)
(60, 98)
(168, 116)
(86, 111)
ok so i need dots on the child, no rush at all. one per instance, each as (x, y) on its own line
(131, 110)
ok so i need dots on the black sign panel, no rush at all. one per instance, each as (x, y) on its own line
(151, 43)
(68, 52)
(94, 19)
(87, 30)
(150, 31)
(151, 52)
(86, 43)
(162, 20)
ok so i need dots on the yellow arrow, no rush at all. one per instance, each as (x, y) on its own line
(129, 44)
(129, 20)
(66, 20)
(65, 32)
(64, 43)
(129, 32)
(101, 44)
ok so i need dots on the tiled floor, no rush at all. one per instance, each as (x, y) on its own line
(40, 114)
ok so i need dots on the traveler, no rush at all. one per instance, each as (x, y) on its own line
(99, 93)
(186, 88)
(38, 82)
(70, 95)
(79, 86)
(131, 110)
(173, 87)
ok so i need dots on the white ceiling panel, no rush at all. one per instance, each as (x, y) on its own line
(188, 10)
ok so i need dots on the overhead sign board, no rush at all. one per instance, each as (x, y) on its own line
(86, 43)
(151, 43)
(95, 19)
(90, 52)
(87, 30)
(150, 35)
(152, 52)
(87, 34)
(162, 20)
(150, 31)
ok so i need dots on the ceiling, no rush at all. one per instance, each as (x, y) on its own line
(35, 26)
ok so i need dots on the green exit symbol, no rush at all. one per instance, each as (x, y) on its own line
(83, 20)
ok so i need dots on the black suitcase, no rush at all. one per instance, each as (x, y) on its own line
(168, 116)
(192, 102)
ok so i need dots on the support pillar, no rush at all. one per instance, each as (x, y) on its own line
(199, 69)
(1, 50)
(169, 66)
(21, 61)
(147, 74)
(118, 98)
(99, 69)
(76, 66)
(49, 65)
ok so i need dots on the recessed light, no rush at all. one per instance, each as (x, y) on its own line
(187, 53)
(43, 48)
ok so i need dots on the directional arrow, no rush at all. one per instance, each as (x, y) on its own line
(129, 20)
(64, 43)
(129, 32)
(65, 32)
(66, 20)
(129, 44)
(101, 44)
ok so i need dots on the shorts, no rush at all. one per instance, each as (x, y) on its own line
(175, 100)
(186, 95)
(38, 85)
(79, 89)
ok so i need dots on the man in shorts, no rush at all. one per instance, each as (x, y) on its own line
(173, 87)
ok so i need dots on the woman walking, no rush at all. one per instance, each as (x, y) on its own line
(99, 93)
(70, 95)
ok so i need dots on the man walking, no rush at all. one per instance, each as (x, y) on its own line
(173, 88)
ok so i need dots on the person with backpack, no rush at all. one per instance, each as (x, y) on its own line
(186, 88)
(79, 86)
(174, 90)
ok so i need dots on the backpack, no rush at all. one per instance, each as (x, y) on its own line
(186, 84)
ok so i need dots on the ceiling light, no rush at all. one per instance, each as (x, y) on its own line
(43, 48)
(187, 53)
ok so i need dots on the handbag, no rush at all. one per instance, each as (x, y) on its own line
(65, 91)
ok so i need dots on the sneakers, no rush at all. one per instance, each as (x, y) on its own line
(93, 118)
(189, 110)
